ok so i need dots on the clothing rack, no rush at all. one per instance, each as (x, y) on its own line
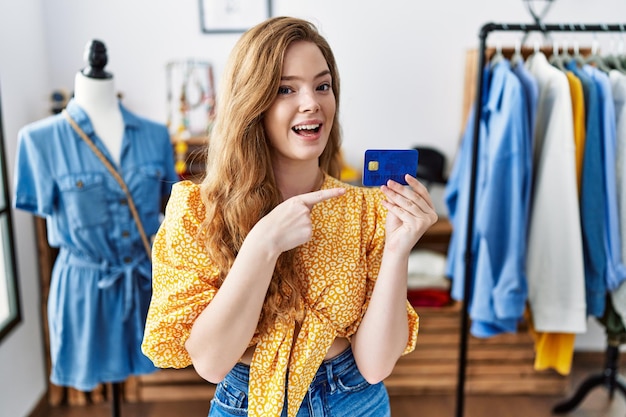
(610, 376)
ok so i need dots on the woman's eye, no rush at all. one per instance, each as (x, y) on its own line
(284, 90)
(324, 87)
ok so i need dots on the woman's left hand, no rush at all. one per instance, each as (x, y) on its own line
(410, 213)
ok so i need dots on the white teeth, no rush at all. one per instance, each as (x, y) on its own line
(306, 127)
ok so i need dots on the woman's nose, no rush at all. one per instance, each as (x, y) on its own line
(309, 102)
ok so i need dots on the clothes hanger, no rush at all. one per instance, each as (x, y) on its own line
(621, 52)
(517, 54)
(498, 56)
(566, 57)
(595, 59)
(536, 51)
(556, 60)
(536, 48)
(577, 57)
(621, 48)
(612, 60)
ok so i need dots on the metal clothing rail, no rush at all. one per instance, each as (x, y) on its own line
(484, 33)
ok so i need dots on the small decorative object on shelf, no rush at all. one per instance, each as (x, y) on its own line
(191, 105)
(58, 100)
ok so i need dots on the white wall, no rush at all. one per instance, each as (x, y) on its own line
(24, 87)
(401, 63)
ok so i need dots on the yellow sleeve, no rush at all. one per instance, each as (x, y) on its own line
(414, 323)
(183, 280)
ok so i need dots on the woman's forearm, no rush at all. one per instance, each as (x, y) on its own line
(383, 333)
(223, 331)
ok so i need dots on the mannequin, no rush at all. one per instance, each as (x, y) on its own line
(100, 286)
(94, 92)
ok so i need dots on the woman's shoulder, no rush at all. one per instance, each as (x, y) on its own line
(186, 200)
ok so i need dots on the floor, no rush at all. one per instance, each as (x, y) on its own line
(595, 404)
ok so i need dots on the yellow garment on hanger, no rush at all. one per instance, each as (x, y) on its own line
(578, 111)
(552, 350)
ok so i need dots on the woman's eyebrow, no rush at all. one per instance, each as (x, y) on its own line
(294, 77)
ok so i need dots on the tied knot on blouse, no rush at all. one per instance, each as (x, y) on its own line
(339, 265)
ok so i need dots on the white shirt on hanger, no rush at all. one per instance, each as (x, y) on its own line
(618, 86)
(556, 279)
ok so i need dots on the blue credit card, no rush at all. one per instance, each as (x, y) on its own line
(388, 164)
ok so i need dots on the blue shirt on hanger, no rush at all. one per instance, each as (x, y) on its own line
(592, 198)
(499, 287)
(615, 271)
(531, 91)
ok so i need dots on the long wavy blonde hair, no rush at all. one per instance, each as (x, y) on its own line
(239, 187)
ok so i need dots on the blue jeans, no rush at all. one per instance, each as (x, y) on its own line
(338, 390)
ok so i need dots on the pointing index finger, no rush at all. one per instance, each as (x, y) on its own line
(312, 198)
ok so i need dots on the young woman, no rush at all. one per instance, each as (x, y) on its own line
(274, 279)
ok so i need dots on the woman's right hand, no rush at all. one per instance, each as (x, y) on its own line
(289, 224)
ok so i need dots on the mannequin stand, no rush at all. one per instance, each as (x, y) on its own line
(609, 378)
(116, 400)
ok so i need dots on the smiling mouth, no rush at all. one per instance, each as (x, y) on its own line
(306, 130)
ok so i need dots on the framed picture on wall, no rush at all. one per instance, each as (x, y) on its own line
(232, 16)
(10, 314)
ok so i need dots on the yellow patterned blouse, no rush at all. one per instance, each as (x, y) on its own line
(342, 261)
